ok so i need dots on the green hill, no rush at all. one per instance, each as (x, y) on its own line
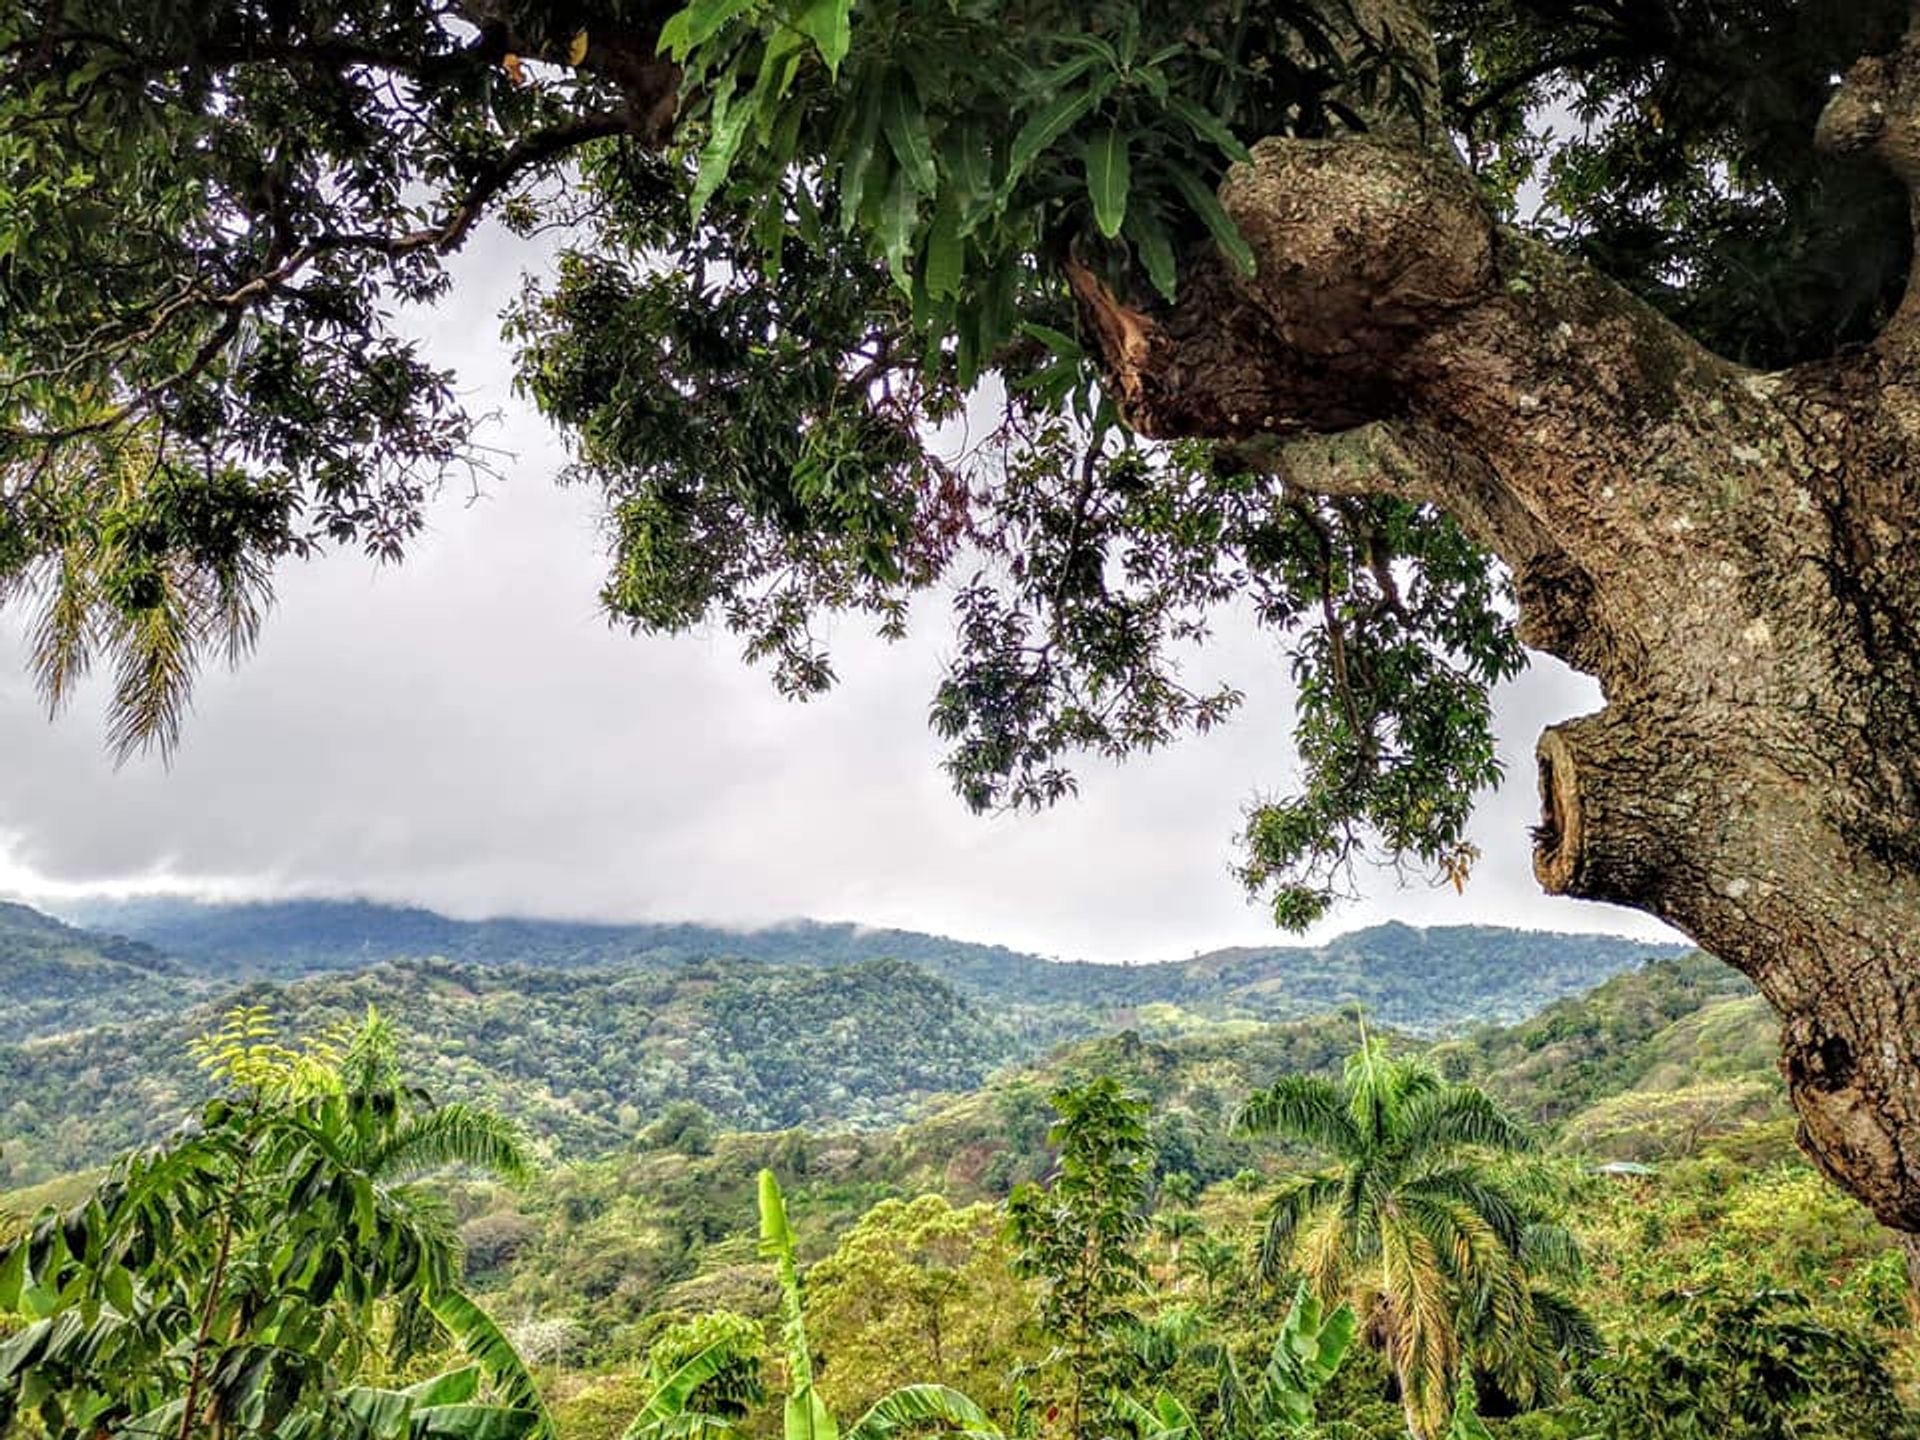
(584, 1059)
(54, 977)
(585, 1032)
(1605, 1075)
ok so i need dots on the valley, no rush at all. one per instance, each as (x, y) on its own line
(904, 1086)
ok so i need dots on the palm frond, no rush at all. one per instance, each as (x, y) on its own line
(1459, 1115)
(1302, 1108)
(455, 1135)
(1326, 1250)
(1570, 1329)
(1285, 1215)
(1425, 1344)
(1550, 1251)
(64, 635)
(1468, 1185)
(157, 656)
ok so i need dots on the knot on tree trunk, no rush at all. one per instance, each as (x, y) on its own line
(1855, 1107)
(1358, 240)
(1560, 613)
(1612, 822)
(1362, 246)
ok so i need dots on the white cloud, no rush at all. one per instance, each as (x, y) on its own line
(467, 733)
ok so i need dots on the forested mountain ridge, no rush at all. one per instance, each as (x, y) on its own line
(54, 976)
(1420, 979)
(583, 1041)
(583, 1059)
(652, 1227)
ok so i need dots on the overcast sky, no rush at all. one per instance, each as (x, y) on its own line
(467, 733)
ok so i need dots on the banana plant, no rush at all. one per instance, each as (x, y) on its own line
(669, 1413)
(910, 1409)
(1313, 1342)
(1167, 1419)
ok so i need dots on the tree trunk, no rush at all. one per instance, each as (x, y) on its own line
(1732, 554)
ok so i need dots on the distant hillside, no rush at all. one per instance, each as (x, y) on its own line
(54, 977)
(1602, 1075)
(584, 1032)
(1424, 980)
(584, 1059)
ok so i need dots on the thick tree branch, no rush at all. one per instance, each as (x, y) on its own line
(1876, 112)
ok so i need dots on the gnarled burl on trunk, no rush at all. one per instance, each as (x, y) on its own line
(1731, 554)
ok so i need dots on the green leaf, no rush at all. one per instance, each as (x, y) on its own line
(906, 126)
(857, 163)
(806, 1417)
(1109, 172)
(969, 172)
(1213, 215)
(1154, 248)
(671, 1398)
(1209, 127)
(946, 256)
(1039, 133)
(13, 1275)
(692, 27)
(454, 1387)
(726, 127)
(829, 24)
(1466, 1423)
(116, 1282)
(899, 217)
(1058, 341)
(476, 1333)
(915, 1408)
(474, 1422)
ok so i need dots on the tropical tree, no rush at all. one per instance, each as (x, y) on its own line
(263, 1272)
(1174, 1220)
(1214, 1260)
(1080, 1236)
(1253, 288)
(1444, 1262)
(921, 1290)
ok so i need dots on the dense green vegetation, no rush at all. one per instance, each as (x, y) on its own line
(584, 1059)
(1730, 1282)
(58, 978)
(278, 1270)
(598, 1028)
(1094, 1235)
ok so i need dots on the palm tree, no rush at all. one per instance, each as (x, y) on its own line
(1213, 1259)
(1442, 1259)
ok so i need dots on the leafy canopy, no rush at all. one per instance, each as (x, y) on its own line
(270, 1271)
(811, 331)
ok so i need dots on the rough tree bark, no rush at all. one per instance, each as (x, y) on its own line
(1732, 554)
